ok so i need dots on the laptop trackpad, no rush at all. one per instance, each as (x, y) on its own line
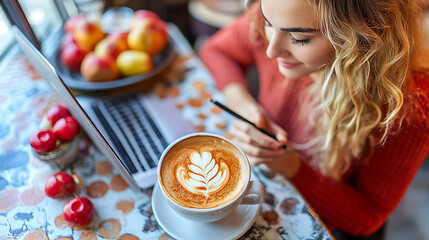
(167, 116)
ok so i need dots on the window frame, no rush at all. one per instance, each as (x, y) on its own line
(15, 15)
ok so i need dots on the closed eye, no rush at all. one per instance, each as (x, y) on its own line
(300, 42)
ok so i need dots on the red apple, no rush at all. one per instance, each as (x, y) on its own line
(108, 47)
(150, 35)
(73, 55)
(60, 185)
(119, 36)
(66, 128)
(72, 22)
(67, 40)
(57, 112)
(99, 69)
(43, 140)
(88, 34)
(142, 13)
(78, 211)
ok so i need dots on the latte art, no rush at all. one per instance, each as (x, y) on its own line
(203, 172)
(203, 175)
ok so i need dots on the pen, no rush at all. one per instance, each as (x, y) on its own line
(236, 115)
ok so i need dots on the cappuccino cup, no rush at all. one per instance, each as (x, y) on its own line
(204, 177)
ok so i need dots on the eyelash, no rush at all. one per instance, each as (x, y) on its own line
(294, 41)
(300, 42)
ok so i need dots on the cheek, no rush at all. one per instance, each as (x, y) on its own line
(315, 54)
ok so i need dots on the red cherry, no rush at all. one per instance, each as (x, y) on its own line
(57, 112)
(43, 140)
(60, 185)
(66, 128)
(78, 211)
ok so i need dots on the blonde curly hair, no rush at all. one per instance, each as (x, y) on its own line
(378, 45)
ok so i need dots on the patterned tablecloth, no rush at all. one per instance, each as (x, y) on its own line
(121, 213)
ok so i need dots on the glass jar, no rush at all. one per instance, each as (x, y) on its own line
(63, 155)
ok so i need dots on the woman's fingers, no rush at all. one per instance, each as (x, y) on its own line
(256, 151)
(249, 134)
(260, 119)
(277, 131)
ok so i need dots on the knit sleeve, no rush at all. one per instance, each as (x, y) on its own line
(229, 51)
(361, 206)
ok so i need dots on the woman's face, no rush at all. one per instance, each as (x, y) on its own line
(294, 39)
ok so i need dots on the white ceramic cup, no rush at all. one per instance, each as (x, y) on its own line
(253, 192)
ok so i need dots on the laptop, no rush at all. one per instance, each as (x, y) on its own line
(131, 129)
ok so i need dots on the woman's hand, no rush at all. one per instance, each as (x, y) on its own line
(261, 149)
(258, 147)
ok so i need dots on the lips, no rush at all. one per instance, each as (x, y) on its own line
(288, 64)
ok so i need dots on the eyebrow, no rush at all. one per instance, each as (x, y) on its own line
(297, 29)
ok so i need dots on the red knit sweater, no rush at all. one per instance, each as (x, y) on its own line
(362, 202)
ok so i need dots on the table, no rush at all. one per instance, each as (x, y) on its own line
(121, 213)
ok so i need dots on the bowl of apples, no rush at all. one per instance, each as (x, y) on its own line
(56, 142)
(91, 58)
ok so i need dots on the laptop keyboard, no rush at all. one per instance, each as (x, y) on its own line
(131, 131)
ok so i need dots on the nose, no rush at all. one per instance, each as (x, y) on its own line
(276, 45)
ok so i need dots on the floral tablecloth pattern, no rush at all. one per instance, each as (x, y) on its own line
(121, 213)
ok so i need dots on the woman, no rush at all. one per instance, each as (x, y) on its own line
(345, 85)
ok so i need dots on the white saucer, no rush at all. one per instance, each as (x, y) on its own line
(231, 227)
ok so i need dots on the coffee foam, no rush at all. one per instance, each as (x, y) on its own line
(203, 175)
(203, 172)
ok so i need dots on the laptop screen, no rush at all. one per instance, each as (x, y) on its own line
(47, 71)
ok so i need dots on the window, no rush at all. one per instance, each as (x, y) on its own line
(5, 36)
(42, 16)
(35, 18)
